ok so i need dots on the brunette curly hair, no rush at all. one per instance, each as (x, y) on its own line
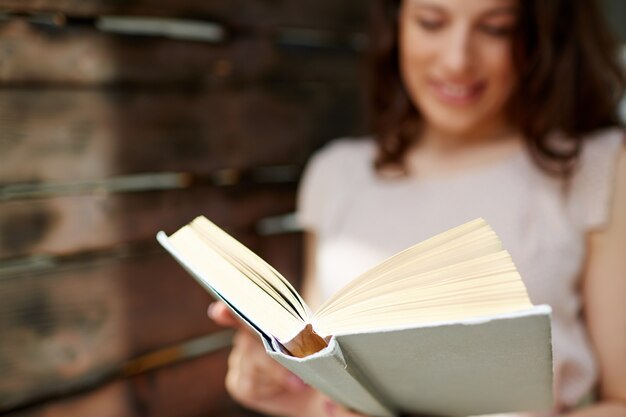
(569, 80)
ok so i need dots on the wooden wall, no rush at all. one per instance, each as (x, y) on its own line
(108, 135)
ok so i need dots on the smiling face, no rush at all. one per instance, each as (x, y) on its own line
(456, 63)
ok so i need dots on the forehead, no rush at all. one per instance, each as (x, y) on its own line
(466, 7)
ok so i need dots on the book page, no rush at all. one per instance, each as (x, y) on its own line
(251, 265)
(252, 297)
(458, 274)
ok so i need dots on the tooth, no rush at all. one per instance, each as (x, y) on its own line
(456, 90)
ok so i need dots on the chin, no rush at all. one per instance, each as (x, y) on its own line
(454, 124)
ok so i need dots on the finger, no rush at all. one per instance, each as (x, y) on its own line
(251, 387)
(250, 384)
(332, 409)
(294, 384)
(249, 357)
(287, 404)
(251, 373)
(270, 370)
(221, 314)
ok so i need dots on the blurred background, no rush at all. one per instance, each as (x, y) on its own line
(122, 118)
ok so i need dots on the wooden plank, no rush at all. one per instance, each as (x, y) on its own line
(57, 135)
(69, 224)
(615, 14)
(78, 324)
(61, 330)
(84, 56)
(342, 15)
(190, 389)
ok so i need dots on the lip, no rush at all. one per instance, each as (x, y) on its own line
(458, 94)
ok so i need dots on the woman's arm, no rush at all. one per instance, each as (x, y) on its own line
(604, 297)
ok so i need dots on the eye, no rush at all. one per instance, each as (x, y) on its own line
(430, 24)
(498, 31)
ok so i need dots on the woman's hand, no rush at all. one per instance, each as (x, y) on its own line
(260, 383)
(257, 381)
(333, 409)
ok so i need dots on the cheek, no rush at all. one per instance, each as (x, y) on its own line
(500, 70)
(417, 53)
(417, 46)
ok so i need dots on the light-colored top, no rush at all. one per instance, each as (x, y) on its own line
(360, 219)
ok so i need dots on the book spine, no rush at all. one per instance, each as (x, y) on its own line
(328, 372)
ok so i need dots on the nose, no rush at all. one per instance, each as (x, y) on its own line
(457, 55)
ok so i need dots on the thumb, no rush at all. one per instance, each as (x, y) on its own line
(221, 314)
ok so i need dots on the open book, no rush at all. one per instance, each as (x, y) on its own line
(444, 327)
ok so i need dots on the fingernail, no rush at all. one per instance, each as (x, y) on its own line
(330, 407)
(295, 383)
(209, 310)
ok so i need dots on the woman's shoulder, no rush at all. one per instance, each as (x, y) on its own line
(344, 158)
(602, 143)
(329, 174)
(600, 151)
(593, 181)
(347, 151)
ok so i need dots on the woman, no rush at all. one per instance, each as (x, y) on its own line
(492, 108)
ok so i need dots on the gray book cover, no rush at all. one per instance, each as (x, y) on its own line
(476, 366)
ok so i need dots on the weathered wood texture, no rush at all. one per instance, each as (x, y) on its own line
(66, 328)
(83, 287)
(331, 15)
(77, 325)
(65, 225)
(85, 56)
(69, 134)
(615, 12)
(192, 388)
